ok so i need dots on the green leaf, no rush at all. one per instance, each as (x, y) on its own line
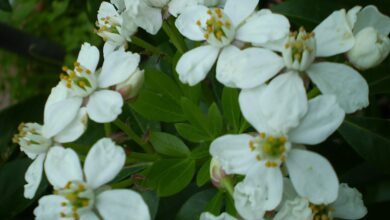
(194, 206)
(92, 9)
(370, 137)
(158, 107)
(378, 192)
(215, 120)
(192, 133)
(200, 152)
(231, 108)
(161, 83)
(169, 145)
(215, 205)
(12, 181)
(170, 176)
(307, 13)
(5, 5)
(378, 78)
(152, 200)
(194, 115)
(203, 175)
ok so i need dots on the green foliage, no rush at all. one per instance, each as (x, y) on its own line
(169, 145)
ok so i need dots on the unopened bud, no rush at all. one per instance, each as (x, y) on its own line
(370, 49)
(131, 87)
(216, 173)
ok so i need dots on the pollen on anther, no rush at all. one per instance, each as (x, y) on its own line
(198, 23)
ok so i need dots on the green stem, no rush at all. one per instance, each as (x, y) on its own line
(226, 183)
(147, 46)
(176, 39)
(129, 131)
(107, 129)
(313, 93)
(123, 184)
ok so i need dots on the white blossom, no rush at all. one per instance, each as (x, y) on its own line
(78, 194)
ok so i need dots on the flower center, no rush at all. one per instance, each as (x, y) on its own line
(218, 30)
(80, 80)
(79, 198)
(30, 138)
(299, 50)
(321, 212)
(270, 148)
(109, 25)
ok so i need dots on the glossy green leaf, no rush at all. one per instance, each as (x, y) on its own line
(203, 175)
(12, 181)
(370, 137)
(5, 5)
(194, 206)
(170, 176)
(192, 133)
(200, 152)
(215, 204)
(156, 106)
(160, 82)
(231, 108)
(168, 144)
(215, 120)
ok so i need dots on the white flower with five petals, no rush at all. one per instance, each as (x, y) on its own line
(220, 28)
(283, 117)
(86, 85)
(79, 193)
(36, 146)
(249, 68)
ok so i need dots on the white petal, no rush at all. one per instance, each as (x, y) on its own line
(122, 204)
(60, 110)
(186, 23)
(284, 102)
(333, 35)
(177, 7)
(88, 215)
(312, 176)
(49, 207)
(295, 209)
(209, 216)
(233, 153)
(349, 203)
(61, 166)
(117, 67)
(271, 182)
(33, 176)
(370, 16)
(104, 106)
(250, 105)
(148, 18)
(238, 11)
(247, 68)
(108, 48)
(352, 15)
(249, 200)
(277, 45)
(106, 10)
(194, 65)
(349, 87)
(88, 56)
(262, 27)
(75, 129)
(322, 119)
(104, 161)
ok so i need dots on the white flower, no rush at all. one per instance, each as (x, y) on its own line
(371, 29)
(79, 194)
(143, 15)
(209, 216)
(177, 7)
(220, 28)
(249, 68)
(349, 205)
(112, 28)
(36, 146)
(85, 85)
(280, 113)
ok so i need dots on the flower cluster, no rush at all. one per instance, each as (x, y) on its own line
(292, 94)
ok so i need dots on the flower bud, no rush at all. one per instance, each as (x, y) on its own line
(216, 173)
(370, 49)
(131, 87)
